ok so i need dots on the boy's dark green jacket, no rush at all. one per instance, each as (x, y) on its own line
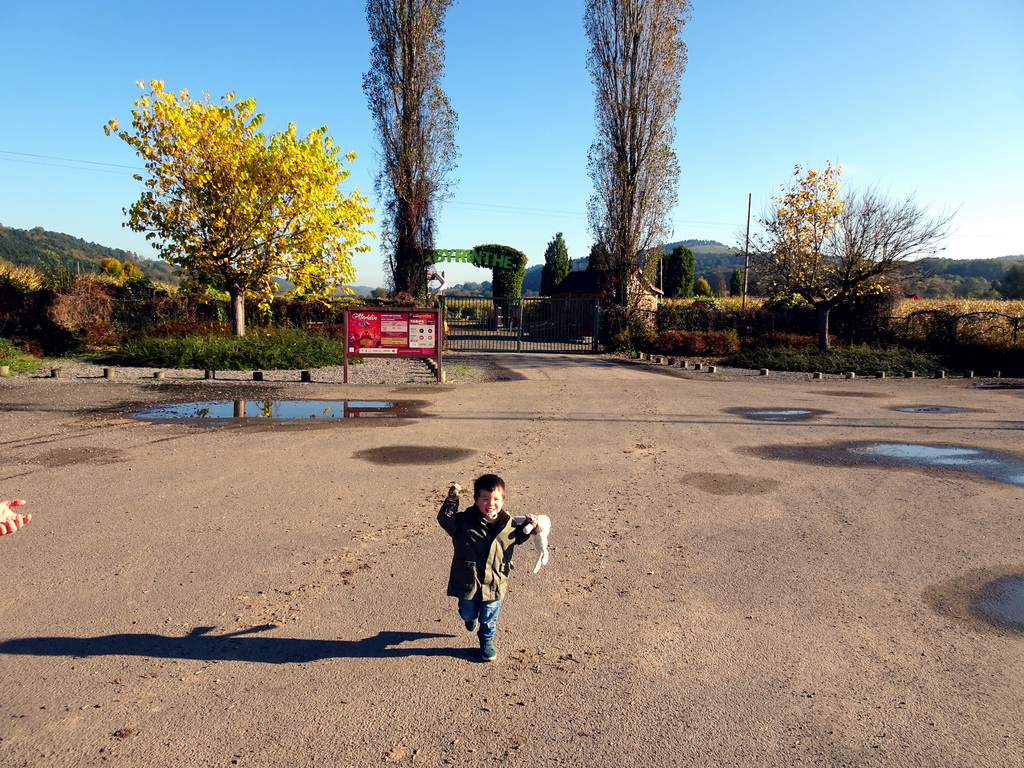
(483, 552)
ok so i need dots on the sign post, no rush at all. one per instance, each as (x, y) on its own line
(393, 331)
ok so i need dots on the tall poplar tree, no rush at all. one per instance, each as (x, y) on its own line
(415, 124)
(636, 59)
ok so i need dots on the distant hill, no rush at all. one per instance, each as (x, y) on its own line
(55, 251)
(711, 258)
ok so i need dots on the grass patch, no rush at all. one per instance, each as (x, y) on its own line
(16, 358)
(859, 359)
(279, 350)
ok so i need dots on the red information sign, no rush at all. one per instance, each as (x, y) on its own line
(375, 331)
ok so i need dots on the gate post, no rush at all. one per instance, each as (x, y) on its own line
(519, 327)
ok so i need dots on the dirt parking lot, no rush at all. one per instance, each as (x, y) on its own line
(745, 571)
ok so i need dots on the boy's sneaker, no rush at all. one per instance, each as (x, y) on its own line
(471, 625)
(487, 649)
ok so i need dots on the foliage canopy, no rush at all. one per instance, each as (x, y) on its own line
(828, 250)
(232, 207)
(556, 265)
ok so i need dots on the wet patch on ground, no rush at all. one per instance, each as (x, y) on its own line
(990, 465)
(989, 600)
(66, 457)
(777, 414)
(998, 385)
(285, 412)
(729, 483)
(842, 393)
(413, 454)
(419, 389)
(930, 409)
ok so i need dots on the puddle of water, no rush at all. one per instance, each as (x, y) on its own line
(1001, 602)
(776, 414)
(994, 466)
(274, 411)
(929, 409)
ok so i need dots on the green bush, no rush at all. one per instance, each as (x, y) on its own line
(858, 359)
(624, 332)
(286, 349)
(702, 343)
(16, 358)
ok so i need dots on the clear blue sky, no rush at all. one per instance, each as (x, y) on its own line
(923, 96)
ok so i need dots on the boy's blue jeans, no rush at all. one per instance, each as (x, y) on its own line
(484, 611)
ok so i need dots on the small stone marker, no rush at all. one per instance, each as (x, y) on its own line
(851, 375)
(940, 374)
(997, 374)
(697, 366)
(257, 375)
(108, 373)
(305, 376)
(56, 373)
(911, 374)
(210, 375)
(712, 369)
(684, 363)
(819, 375)
(764, 371)
(881, 374)
(5, 370)
(158, 374)
(968, 374)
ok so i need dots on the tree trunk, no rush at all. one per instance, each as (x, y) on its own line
(823, 313)
(237, 294)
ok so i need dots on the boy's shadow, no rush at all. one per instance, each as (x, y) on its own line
(243, 645)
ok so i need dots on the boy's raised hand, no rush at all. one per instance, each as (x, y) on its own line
(454, 491)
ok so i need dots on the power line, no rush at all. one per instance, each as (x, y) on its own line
(59, 165)
(493, 208)
(68, 159)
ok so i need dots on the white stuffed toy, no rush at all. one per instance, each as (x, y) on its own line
(540, 539)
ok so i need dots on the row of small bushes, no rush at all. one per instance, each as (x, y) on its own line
(792, 352)
(838, 359)
(259, 350)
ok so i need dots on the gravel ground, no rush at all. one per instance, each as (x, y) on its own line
(372, 371)
(460, 367)
(721, 590)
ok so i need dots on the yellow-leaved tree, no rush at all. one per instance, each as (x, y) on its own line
(232, 208)
(828, 250)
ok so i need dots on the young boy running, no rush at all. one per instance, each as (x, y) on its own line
(483, 537)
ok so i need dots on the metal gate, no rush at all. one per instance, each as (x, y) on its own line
(520, 325)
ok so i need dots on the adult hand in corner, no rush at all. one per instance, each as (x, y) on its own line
(11, 521)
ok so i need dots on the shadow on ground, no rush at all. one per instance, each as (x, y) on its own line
(245, 645)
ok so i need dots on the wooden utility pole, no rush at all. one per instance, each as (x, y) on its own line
(746, 254)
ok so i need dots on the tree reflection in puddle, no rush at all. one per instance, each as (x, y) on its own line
(276, 411)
